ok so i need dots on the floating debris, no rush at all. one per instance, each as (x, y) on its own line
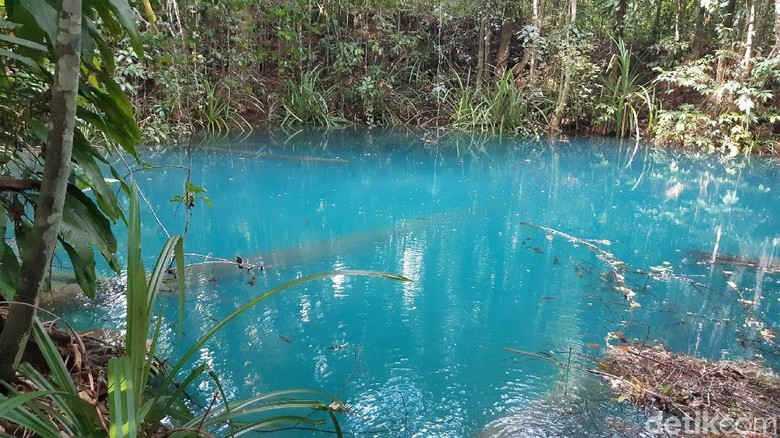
(712, 398)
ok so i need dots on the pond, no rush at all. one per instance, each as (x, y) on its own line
(511, 245)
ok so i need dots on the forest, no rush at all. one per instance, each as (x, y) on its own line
(89, 84)
(697, 75)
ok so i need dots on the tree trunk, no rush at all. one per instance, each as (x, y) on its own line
(572, 11)
(620, 19)
(504, 39)
(699, 34)
(563, 94)
(657, 21)
(747, 60)
(48, 210)
(560, 107)
(776, 49)
(731, 9)
(481, 51)
(728, 23)
(677, 12)
(488, 35)
(536, 19)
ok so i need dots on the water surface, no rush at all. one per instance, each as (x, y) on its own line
(427, 357)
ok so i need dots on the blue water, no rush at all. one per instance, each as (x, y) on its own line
(427, 357)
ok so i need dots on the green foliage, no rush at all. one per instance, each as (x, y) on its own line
(499, 107)
(103, 112)
(307, 102)
(735, 106)
(624, 97)
(216, 114)
(689, 128)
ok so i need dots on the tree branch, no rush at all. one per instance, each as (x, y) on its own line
(18, 185)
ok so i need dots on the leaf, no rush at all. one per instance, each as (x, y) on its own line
(82, 257)
(13, 409)
(121, 398)
(44, 16)
(150, 15)
(8, 25)
(192, 188)
(80, 210)
(24, 43)
(23, 59)
(80, 416)
(125, 15)
(106, 53)
(85, 156)
(9, 262)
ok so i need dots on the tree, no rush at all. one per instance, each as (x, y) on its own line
(48, 211)
(563, 94)
(776, 48)
(45, 36)
(504, 39)
(747, 60)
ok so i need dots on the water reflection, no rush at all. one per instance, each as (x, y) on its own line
(426, 358)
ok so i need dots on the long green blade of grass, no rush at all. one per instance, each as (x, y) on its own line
(121, 398)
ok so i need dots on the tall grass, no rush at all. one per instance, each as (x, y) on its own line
(306, 102)
(217, 115)
(624, 98)
(500, 107)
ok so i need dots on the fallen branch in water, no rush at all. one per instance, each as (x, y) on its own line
(768, 264)
(616, 266)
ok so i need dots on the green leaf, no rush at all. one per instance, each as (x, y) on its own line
(43, 14)
(192, 188)
(79, 416)
(124, 13)
(86, 157)
(179, 255)
(9, 262)
(8, 25)
(121, 398)
(13, 409)
(23, 59)
(24, 43)
(82, 257)
(106, 51)
(81, 214)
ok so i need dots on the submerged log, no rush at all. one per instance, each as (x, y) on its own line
(769, 264)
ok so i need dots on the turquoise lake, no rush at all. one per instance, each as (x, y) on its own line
(452, 212)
